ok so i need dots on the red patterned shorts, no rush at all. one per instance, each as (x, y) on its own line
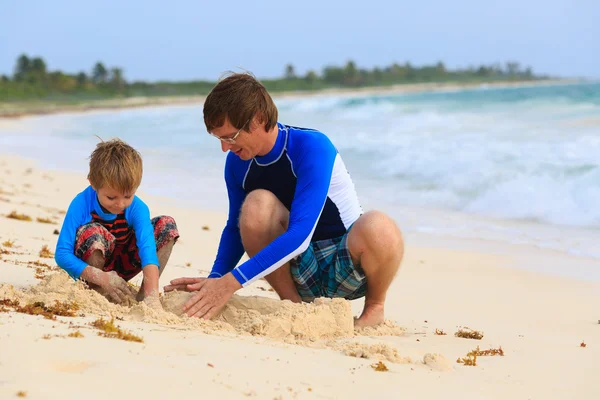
(122, 258)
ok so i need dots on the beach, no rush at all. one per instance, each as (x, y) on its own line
(546, 325)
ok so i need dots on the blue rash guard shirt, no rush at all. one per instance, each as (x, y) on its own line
(306, 173)
(79, 213)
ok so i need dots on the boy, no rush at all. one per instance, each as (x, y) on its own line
(107, 236)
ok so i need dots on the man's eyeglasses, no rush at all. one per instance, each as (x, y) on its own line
(230, 139)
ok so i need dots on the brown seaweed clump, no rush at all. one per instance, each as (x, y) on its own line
(110, 330)
(61, 309)
(45, 252)
(21, 217)
(471, 358)
(488, 352)
(469, 334)
(45, 220)
(380, 367)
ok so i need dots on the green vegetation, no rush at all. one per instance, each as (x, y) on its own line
(33, 81)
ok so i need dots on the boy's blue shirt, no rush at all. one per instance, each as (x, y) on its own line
(80, 213)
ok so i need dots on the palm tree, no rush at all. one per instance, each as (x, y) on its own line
(81, 79)
(22, 68)
(311, 77)
(117, 77)
(290, 73)
(99, 74)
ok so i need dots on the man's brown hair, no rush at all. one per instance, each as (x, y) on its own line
(117, 165)
(239, 97)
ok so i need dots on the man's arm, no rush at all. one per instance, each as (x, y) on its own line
(231, 248)
(313, 166)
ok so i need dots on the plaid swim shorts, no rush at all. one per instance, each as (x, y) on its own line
(325, 269)
(122, 258)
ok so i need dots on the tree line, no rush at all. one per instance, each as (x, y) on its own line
(32, 80)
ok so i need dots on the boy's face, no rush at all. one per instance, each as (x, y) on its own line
(113, 200)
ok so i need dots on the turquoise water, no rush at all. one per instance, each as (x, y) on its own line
(528, 157)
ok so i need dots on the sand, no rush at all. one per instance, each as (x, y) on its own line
(262, 347)
(300, 324)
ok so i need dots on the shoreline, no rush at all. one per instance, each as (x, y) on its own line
(39, 108)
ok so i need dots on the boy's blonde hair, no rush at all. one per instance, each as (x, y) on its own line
(117, 165)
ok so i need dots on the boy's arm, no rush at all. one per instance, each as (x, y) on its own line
(139, 215)
(65, 247)
(231, 248)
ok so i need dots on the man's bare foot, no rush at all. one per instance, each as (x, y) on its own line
(372, 315)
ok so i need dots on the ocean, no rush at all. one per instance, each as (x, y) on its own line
(516, 164)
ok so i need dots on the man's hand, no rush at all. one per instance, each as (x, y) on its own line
(113, 286)
(183, 284)
(213, 294)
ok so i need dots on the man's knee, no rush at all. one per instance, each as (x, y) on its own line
(378, 232)
(261, 210)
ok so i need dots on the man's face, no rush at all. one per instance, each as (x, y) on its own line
(244, 144)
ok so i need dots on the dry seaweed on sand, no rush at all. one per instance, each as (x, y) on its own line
(21, 217)
(469, 334)
(75, 334)
(110, 330)
(4, 251)
(4, 303)
(45, 220)
(39, 273)
(583, 344)
(440, 332)
(488, 352)
(45, 252)
(8, 243)
(41, 264)
(380, 367)
(471, 358)
(61, 309)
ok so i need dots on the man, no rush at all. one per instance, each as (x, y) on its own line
(293, 209)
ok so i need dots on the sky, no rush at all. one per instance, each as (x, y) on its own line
(190, 39)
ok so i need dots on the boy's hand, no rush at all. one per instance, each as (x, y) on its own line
(115, 288)
(150, 283)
